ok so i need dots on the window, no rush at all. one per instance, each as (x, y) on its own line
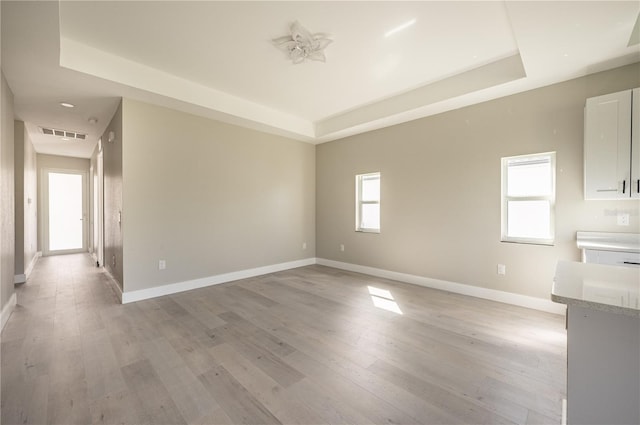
(368, 202)
(528, 198)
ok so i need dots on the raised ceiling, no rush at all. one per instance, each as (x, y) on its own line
(216, 59)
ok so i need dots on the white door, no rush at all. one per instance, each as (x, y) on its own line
(65, 229)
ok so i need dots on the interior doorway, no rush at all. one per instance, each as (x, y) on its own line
(65, 212)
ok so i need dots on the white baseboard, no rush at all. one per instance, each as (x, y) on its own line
(7, 310)
(173, 288)
(22, 278)
(32, 264)
(114, 283)
(458, 288)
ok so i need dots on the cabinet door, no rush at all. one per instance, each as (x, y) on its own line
(607, 146)
(635, 145)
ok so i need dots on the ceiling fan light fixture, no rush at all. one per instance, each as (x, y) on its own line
(301, 44)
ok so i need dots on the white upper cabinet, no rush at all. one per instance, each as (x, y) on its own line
(635, 144)
(612, 146)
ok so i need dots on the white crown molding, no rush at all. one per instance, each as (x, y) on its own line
(156, 86)
(173, 288)
(458, 288)
(490, 75)
(83, 58)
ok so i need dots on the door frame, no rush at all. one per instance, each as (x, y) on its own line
(100, 236)
(92, 185)
(45, 210)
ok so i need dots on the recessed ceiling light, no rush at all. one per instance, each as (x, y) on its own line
(93, 120)
(67, 105)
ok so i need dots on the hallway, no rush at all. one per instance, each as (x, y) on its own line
(303, 346)
(59, 314)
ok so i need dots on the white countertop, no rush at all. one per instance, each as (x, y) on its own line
(601, 287)
(627, 242)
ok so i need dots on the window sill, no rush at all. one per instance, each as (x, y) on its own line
(368, 230)
(544, 242)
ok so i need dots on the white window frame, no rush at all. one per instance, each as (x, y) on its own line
(551, 198)
(360, 202)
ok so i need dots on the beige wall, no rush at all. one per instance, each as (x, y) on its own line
(210, 198)
(113, 234)
(7, 199)
(441, 188)
(58, 163)
(25, 183)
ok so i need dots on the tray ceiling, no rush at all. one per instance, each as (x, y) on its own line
(216, 59)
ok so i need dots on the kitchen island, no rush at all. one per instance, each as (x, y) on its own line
(603, 341)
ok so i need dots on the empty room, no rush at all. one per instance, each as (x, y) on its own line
(320, 212)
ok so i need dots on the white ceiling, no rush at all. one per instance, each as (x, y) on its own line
(216, 59)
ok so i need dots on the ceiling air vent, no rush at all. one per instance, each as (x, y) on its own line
(63, 133)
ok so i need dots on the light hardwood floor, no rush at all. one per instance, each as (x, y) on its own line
(304, 346)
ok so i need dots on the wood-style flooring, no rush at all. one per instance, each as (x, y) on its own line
(312, 345)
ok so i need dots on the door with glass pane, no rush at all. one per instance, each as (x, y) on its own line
(65, 212)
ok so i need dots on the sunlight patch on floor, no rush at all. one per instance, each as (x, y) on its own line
(383, 299)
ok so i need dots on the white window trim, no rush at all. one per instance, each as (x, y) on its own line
(360, 202)
(552, 200)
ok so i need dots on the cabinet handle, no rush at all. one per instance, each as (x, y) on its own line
(624, 186)
(638, 189)
(631, 262)
(606, 190)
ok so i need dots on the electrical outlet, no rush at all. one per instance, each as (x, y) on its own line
(502, 270)
(304, 245)
(162, 264)
(623, 219)
(342, 247)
